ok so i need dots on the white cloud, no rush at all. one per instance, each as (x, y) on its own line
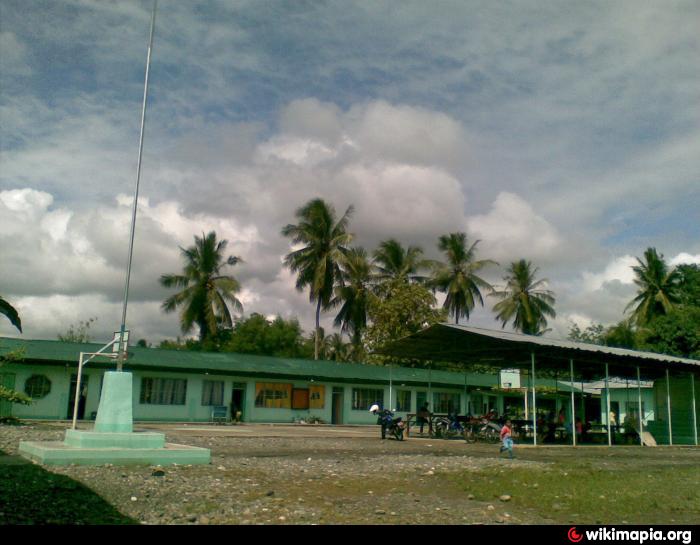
(620, 269)
(512, 230)
(685, 259)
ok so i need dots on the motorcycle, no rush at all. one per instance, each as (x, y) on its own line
(393, 425)
(448, 427)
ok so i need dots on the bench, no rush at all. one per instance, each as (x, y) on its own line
(219, 414)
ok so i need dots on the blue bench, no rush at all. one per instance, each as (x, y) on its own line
(219, 414)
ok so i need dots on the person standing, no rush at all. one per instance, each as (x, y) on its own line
(507, 438)
(422, 416)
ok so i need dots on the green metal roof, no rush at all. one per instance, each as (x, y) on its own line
(227, 363)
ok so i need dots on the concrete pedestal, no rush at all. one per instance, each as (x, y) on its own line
(113, 440)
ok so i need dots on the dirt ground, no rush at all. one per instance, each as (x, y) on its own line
(302, 474)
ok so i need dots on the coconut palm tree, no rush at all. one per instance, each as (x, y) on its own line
(317, 263)
(337, 349)
(11, 313)
(206, 292)
(457, 277)
(524, 300)
(393, 261)
(352, 294)
(658, 288)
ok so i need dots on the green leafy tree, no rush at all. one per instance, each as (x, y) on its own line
(457, 277)
(394, 262)
(7, 310)
(593, 334)
(657, 292)
(524, 300)
(206, 292)
(676, 333)
(324, 241)
(623, 334)
(9, 395)
(403, 309)
(338, 349)
(258, 335)
(689, 284)
(352, 294)
(79, 333)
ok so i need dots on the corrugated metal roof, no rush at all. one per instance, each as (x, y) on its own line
(467, 345)
(226, 363)
(571, 345)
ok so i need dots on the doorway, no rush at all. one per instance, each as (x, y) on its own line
(83, 396)
(337, 406)
(238, 402)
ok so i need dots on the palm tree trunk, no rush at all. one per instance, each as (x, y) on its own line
(318, 328)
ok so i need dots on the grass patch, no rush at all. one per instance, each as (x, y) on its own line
(590, 495)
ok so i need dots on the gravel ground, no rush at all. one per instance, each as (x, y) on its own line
(282, 475)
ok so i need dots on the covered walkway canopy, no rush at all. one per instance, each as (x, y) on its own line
(471, 346)
(476, 346)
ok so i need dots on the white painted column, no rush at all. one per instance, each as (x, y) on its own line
(641, 412)
(695, 414)
(668, 407)
(607, 403)
(534, 402)
(573, 401)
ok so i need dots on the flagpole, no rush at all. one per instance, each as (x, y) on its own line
(122, 329)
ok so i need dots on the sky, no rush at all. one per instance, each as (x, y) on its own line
(564, 133)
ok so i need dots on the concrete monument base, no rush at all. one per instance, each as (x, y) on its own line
(113, 441)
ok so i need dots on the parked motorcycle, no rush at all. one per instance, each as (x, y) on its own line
(447, 427)
(386, 419)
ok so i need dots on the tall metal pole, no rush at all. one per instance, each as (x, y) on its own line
(695, 414)
(607, 403)
(668, 407)
(534, 401)
(122, 329)
(573, 401)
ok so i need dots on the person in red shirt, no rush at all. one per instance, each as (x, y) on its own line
(507, 438)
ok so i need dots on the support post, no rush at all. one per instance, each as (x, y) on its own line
(668, 408)
(607, 403)
(390, 387)
(695, 414)
(77, 391)
(534, 401)
(641, 412)
(573, 401)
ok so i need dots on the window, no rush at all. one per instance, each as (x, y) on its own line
(163, 391)
(37, 386)
(317, 397)
(213, 392)
(273, 395)
(445, 403)
(364, 398)
(403, 400)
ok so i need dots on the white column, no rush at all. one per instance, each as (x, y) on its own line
(607, 403)
(534, 402)
(695, 414)
(641, 412)
(77, 390)
(668, 407)
(573, 401)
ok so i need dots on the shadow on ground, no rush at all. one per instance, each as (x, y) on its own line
(29, 494)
